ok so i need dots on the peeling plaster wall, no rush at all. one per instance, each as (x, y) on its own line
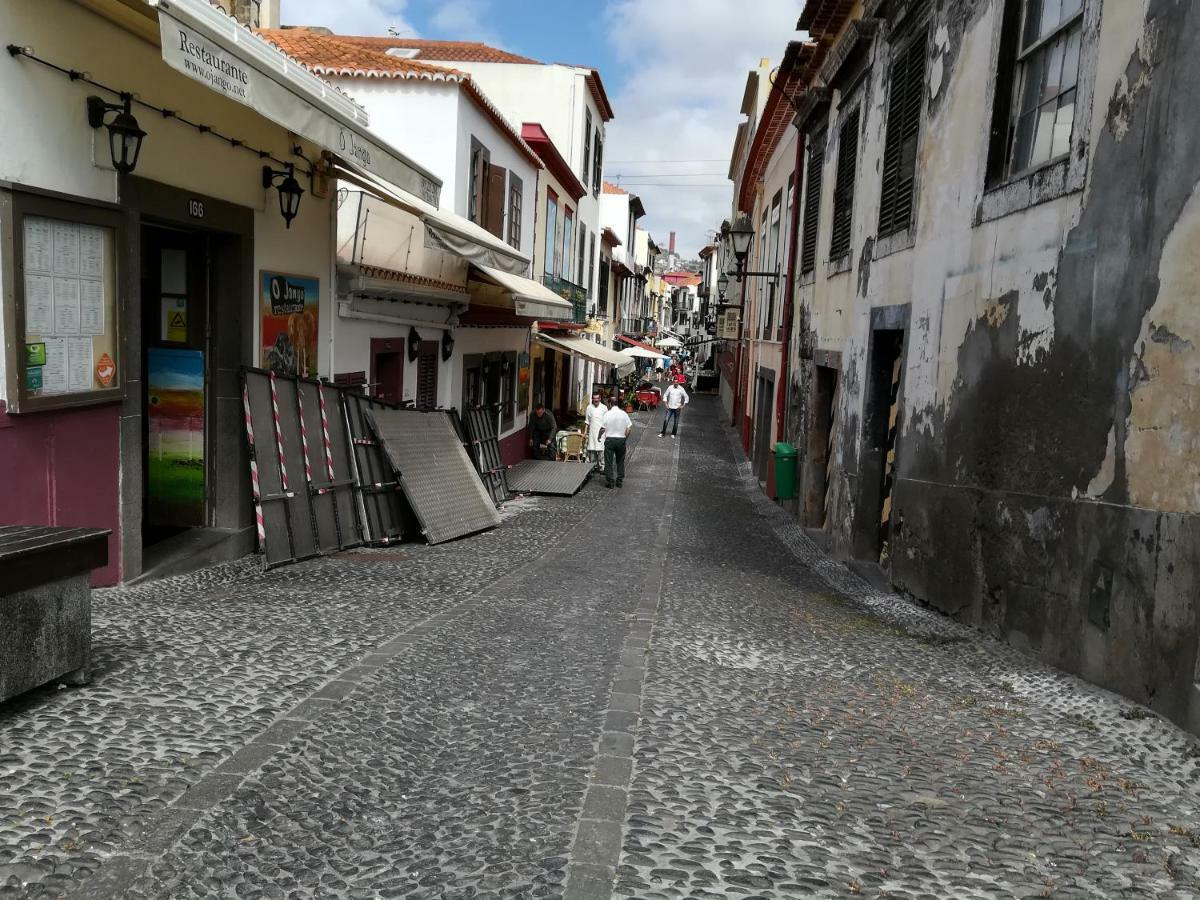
(1048, 462)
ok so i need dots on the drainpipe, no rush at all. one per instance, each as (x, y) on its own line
(789, 290)
(737, 362)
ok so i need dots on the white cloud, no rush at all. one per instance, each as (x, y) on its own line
(686, 69)
(463, 20)
(365, 17)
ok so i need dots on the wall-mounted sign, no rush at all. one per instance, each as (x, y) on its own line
(35, 354)
(195, 208)
(174, 320)
(106, 369)
(290, 306)
(727, 324)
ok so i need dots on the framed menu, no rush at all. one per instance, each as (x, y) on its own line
(62, 271)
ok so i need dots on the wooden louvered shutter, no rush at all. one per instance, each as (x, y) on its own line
(493, 204)
(843, 190)
(812, 201)
(900, 151)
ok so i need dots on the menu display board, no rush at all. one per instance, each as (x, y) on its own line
(69, 281)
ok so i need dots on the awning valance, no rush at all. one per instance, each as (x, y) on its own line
(642, 353)
(205, 44)
(445, 230)
(530, 298)
(586, 349)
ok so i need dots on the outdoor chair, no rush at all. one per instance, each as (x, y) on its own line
(573, 446)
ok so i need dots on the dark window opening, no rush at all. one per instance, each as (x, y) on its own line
(515, 188)
(812, 201)
(587, 145)
(907, 95)
(480, 158)
(843, 190)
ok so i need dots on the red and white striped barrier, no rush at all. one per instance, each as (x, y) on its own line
(254, 487)
(325, 433)
(283, 476)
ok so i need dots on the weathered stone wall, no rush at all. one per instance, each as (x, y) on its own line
(1049, 447)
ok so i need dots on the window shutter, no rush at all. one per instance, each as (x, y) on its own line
(587, 144)
(812, 201)
(493, 207)
(900, 149)
(843, 191)
(598, 153)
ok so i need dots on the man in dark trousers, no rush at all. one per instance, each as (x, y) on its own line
(542, 429)
(616, 425)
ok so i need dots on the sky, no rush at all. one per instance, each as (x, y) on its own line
(674, 71)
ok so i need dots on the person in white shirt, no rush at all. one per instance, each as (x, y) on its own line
(675, 399)
(615, 426)
(594, 416)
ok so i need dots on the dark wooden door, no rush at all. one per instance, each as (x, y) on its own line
(427, 374)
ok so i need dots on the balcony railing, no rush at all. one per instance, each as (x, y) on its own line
(576, 294)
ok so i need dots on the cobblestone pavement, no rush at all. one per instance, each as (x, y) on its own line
(662, 691)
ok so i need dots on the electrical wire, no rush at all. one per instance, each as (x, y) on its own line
(75, 75)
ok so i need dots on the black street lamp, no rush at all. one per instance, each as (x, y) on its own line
(289, 190)
(742, 235)
(124, 134)
(723, 284)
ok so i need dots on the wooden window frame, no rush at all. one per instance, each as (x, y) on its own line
(587, 143)
(814, 178)
(562, 267)
(15, 205)
(515, 206)
(842, 232)
(597, 162)
(905, 104)
(480, 159)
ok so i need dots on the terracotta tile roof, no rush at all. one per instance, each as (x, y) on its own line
(328, 54)
(338, 55)
(610, 236)
(823, 19)
(609, 188)
(800, 63)
(409, 278)
(596, 86)
(443, 51)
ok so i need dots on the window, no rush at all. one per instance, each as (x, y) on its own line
(812, 200)
(514, 210)
(787, 215)
(562, 262)
(903, 127)
(843, 187)
(773, 262)
(587, 145)
(598, 160)
(1032, 122)
(581, 271)
(551, 229)
(591, 263)
(480, 157)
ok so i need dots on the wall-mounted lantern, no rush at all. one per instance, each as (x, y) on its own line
(414, 344)
(447, 345)
(289, 190)
(124, 134)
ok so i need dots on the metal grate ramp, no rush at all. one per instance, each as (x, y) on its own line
(543, 476)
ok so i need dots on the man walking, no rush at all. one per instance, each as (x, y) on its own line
(616, 426)
(594, 417)
(675, 399)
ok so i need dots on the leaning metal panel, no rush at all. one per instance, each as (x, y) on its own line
(480, 424)
(286, 401)
(377, 488)
(267, 471)
(327, 488)
(543, 476)
(435, 472)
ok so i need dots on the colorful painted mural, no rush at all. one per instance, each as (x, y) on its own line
(290, 307)
(175, 449)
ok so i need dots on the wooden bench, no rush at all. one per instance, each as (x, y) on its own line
(46, 604)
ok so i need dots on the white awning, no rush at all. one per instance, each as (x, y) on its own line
(577, 346)
(669, 342)
(444, 229)
(204, 43)
(641, 353)
(530, 298)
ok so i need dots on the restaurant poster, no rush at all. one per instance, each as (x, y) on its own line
(175, 455)
(289, 306)
(523, 382)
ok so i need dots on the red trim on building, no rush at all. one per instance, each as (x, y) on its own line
(535, 136)
(628, 340)
(561, 326)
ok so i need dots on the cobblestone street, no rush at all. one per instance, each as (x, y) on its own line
(662, 691)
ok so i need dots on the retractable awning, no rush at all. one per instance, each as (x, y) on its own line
(445, 230)
(205, 44)
(586, 349)
(642, 353)
(530, 298)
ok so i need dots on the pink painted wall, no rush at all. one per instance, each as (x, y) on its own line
(63, 468)
(515, 447)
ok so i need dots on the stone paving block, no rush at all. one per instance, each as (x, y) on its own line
(588, 883)
(209, 791)
(627, 686)
(248, 758)
(613, 770)
(155, 835)
(615, 743)
(335, 690)
(375, 660)
(597, 843)
(281, 731)
(311, 709)
(620, 720)
(604, 802)
(629, 702)
(359, 673)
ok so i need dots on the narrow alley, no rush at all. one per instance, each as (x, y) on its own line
(659, 691)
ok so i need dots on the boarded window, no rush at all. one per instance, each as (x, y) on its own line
(843, 189)
(812, 200)
(907, 94)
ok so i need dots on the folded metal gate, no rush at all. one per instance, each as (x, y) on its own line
(484, 445)
(300, 468)
(379, 499)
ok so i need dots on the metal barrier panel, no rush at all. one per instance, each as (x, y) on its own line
(286, 408)
(267, 469)
(438, 478)
(543, 476)
(480, 424)
(333, 532)
(342, 474)
(377, 488)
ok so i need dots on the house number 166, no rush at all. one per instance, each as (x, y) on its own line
(195, 208)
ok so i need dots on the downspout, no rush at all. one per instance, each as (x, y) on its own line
(737, 360)
(789, 290)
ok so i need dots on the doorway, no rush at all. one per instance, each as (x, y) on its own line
(879, 457)
(387, 369)
(175, 372)
(819, 463)
(764, 407)
(427, 374)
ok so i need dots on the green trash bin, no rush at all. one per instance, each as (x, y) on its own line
(785, 471)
